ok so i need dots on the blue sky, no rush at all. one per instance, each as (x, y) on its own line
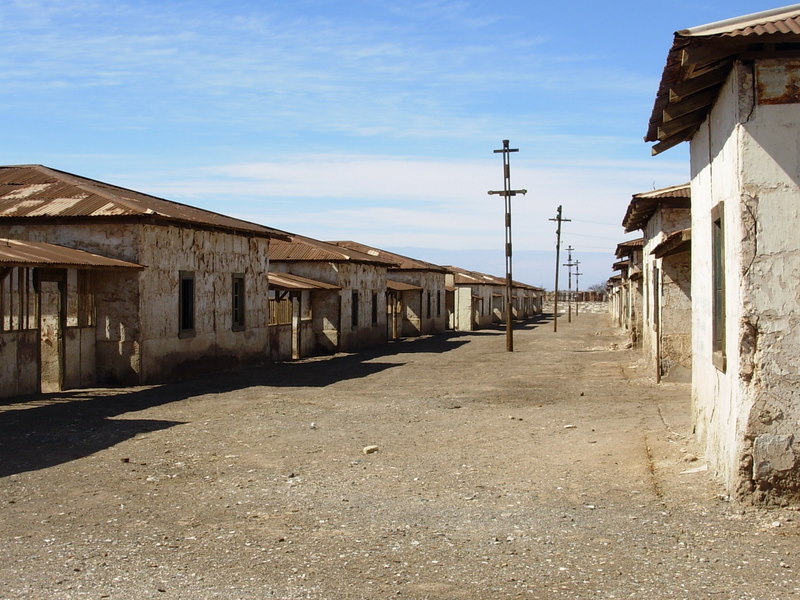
(365, 120)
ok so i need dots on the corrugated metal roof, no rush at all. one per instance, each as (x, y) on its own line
(400, 286)
(675, 242)
(30, 191)
(643, 206)
(288, 281)
(403, 263)
(699, 62)
(308, 249)
(627, 248)
(22, 253)
(466, 277)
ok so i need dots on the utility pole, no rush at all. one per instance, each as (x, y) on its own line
(577, 287)
(569, 264)
(560, 220)
(507, 193)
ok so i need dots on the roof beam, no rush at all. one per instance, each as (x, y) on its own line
(675, 110)
(680, 124)
(710, 79)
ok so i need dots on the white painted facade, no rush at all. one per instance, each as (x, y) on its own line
(745, 168)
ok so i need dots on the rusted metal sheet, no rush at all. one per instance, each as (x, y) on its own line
(299, 247)
(29, 191)
(403, 263)
(287, 281)
(399, 286)
(20, 253)
(778, 82)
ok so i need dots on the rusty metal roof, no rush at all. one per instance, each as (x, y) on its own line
(627, 248)
(403, 263)
(466, 277)
(299, 247)
(22, 253)
(699, 63)
(674, 243)
(400, 286)
(644, 205)
(35, 191)
(287, 281)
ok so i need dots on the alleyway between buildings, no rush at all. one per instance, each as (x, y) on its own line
(436, 468)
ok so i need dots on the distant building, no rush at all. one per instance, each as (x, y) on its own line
(731, 90)
(415, 293)
(664, 218)
(628, 292)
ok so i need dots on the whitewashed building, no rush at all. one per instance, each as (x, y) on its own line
(663, 216)
(731, 90)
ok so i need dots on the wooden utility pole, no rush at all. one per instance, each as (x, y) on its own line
(577, 287)
(507, 193)
(559, 220)
(569, 264)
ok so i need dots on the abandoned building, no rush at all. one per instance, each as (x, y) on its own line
(627, 295)
(664, 218)
(730, 90)
(353, 317)
(415, 293)
(162, 291)
(476, 300)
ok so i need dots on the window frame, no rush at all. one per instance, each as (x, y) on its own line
(183, 278)
(718, 288)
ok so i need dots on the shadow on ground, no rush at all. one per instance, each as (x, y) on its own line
(51, 429)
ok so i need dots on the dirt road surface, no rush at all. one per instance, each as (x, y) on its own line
(556, 471)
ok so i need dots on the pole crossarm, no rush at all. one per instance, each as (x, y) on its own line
(509, 193)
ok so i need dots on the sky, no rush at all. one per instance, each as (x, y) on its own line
(367, 120)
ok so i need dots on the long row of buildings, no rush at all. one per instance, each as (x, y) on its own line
(104, 285)
(712, 286)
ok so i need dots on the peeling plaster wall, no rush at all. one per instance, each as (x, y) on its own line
(214, 257)
(667, 326)
(746, 155)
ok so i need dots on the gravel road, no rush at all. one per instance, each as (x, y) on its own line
(560, 470)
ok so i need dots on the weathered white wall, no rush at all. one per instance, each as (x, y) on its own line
(213, 257)
(430, 282)
(746, 155)
(366, 279)
(666, 326)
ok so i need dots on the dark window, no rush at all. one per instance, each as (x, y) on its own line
(187, 303)
(374, 308)
(438, 303)
(354, 310)
(429, 305)
(718, 282)
(237, 302)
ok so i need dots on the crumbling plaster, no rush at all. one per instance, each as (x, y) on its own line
(746, 156)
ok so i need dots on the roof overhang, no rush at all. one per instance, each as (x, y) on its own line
(700, 60)
(675, 243)
(643, 206)
(23, 253)
(399, 286)
(287, 281)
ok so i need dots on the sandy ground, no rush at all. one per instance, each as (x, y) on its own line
(555, 471)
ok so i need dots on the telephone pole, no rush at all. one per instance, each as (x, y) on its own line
(569, 264)
(577, 287)
(560, 220)
(507, 193)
